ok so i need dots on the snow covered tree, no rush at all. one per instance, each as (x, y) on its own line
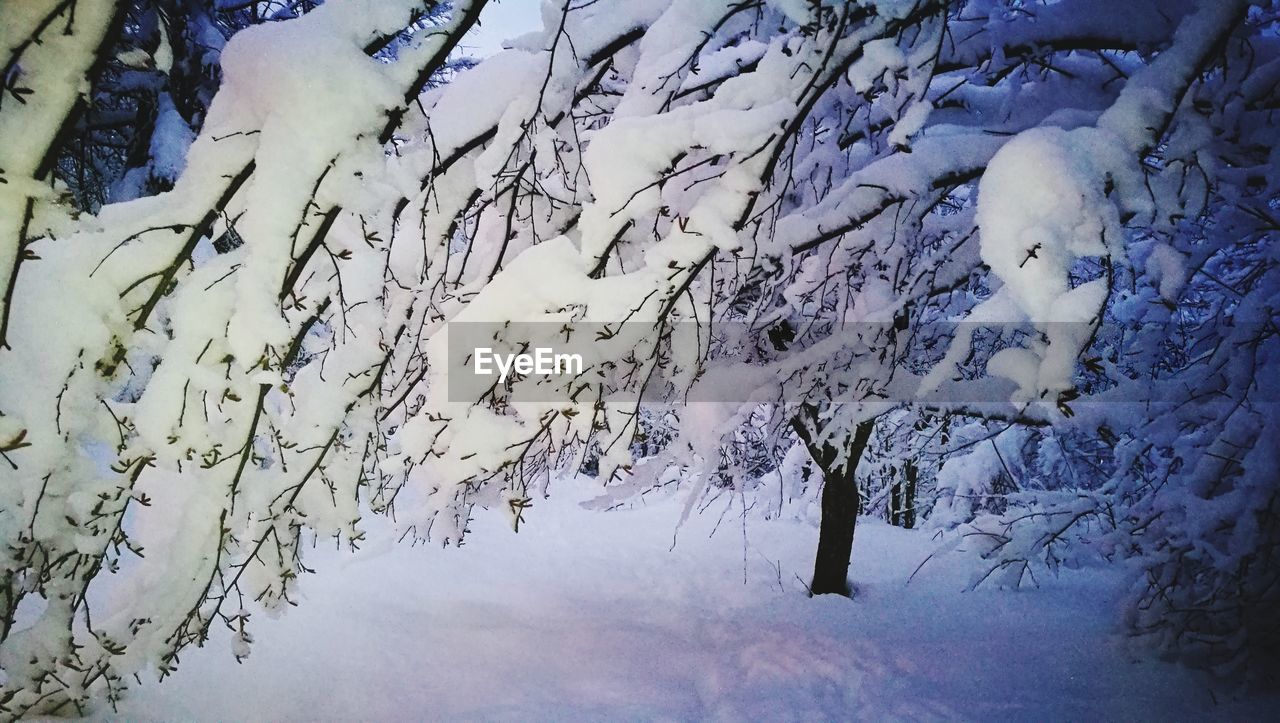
(776, 206)
(1170, 370)
(105, 386)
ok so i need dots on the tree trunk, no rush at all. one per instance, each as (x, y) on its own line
(835, 534)
(902, 496)
(909, 496)
(840, 505)
(895, 498)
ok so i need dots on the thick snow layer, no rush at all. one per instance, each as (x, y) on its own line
(590, 615)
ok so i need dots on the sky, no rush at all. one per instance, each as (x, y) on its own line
(500, 20)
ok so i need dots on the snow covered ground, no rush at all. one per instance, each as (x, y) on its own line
(591, 615)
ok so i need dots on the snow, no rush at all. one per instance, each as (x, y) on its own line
(912, 120)
(797, 11)
(879, 56)
(594, 615)
(269, 74)
(1042, 205)
(502, 19)
(1167, 268)
(56, 65)
(1145, 103)
(642, 200)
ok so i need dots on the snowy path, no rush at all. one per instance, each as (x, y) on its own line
(587, 615)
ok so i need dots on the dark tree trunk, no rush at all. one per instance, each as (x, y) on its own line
(909, 496)
(840, 504)
(835, 534)
(895, 498)
(902, 496)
